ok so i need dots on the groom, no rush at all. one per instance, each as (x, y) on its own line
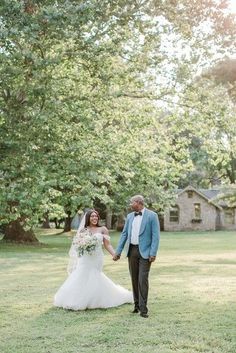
(142, 232)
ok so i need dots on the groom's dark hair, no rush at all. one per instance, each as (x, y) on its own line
(87, 218)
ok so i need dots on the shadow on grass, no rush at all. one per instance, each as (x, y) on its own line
(80, 318)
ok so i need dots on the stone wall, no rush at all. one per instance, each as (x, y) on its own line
(187, 214)
(224, 224)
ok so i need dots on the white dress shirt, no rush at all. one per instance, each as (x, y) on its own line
(136, 228)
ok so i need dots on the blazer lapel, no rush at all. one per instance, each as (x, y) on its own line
(144, 222)
(130, 225)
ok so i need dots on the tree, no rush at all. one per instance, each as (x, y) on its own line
(34, 54)
(80, 88)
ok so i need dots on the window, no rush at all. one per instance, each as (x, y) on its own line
(174, 214)
(229, 216)
(197, 210)
(190, 194)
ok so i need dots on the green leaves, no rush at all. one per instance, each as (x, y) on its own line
(81, 119)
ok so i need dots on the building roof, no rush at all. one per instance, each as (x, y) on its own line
(208, 194)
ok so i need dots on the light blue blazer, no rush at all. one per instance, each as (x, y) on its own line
(149, 234)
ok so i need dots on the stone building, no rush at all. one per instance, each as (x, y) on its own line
(197, 209)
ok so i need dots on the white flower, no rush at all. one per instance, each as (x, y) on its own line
(86, 242)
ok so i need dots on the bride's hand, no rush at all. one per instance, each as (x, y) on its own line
(116, 257)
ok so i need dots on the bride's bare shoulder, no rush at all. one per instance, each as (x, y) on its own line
(104, 230)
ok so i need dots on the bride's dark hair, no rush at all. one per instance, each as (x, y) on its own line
(87, 218)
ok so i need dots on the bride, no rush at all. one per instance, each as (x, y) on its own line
(87, 287)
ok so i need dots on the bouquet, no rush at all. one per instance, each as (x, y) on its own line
(85, 242)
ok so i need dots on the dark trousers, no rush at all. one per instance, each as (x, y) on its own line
(139, 272)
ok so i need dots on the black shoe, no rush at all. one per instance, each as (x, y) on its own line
(135, 311)
(144, 315)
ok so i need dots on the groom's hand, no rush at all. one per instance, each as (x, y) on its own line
(116, 257)
(152, 258)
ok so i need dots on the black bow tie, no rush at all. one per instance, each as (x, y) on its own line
(137, 213)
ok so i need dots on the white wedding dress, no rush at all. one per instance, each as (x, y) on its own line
(87, 287)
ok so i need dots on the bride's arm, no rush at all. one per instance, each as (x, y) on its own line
(106, 241)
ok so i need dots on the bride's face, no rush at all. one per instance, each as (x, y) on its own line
(93, 221)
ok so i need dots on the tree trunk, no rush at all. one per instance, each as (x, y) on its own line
(14, 232)
(46, 222)
(108, 218)
(68, 220)
(120, 222)
(56, 223)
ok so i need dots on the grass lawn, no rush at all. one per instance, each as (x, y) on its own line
(192, 300)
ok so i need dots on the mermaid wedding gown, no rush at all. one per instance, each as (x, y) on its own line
(87, 287)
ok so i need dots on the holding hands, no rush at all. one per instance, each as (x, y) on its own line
(116, 257)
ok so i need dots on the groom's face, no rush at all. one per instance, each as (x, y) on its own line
(135, 205)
